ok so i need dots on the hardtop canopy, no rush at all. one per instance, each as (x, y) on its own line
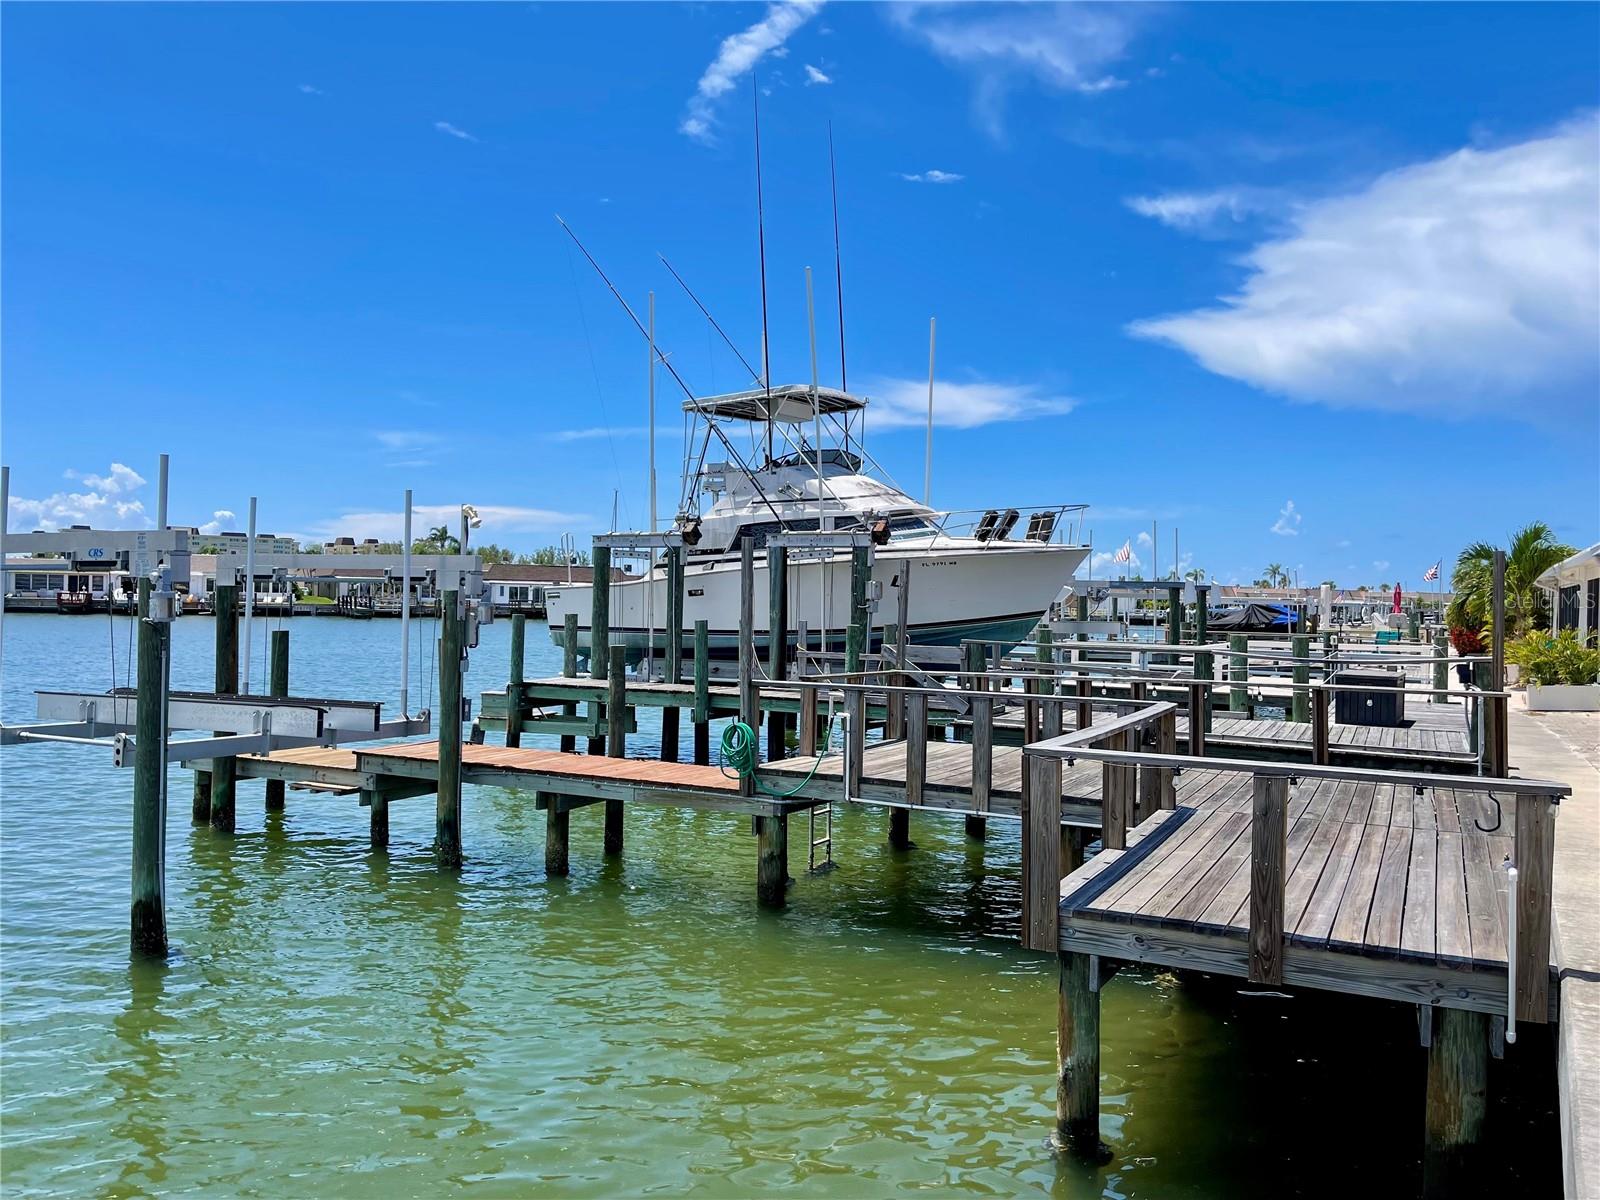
(790, 403)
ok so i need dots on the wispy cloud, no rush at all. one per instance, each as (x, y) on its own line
(934, 176)
(220, 520)
(1107, 560)
(498, 521)
(404, 439)
(1381, 564)
(1444, 286)
(310, 90)
(107, 502)
(1202, 212)
(736, 57)
(453, 131)
(598, 431)
(814, 76)
(1288, 522)
(1063, 47)
(903, 403)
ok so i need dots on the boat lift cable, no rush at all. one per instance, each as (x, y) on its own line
(673, 371)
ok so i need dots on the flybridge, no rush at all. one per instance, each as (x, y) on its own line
(793, 403)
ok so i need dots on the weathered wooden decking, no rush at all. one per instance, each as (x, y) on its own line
(413, 767)
(1389, 891)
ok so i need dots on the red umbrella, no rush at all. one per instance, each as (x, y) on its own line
(1396, 598)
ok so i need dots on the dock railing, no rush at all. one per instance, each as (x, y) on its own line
(1533, 804)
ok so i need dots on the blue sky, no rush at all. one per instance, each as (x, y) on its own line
(1311, 284)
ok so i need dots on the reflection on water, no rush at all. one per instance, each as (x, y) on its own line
(339, 1022)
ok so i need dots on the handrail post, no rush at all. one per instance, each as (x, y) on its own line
(916, 746)
(1197, 726)
(1320, 697)
(1534, 854)
(1300, 647)
(1041, 851)
(982, 752)
(1269, 827)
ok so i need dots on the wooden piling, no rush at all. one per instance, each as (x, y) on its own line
(1458, 1085)
(855, 715)
(377, 818)
(1441, 667)
(982, 752)
(279, 687)
(749, 712)
(599, 636)
(772, 860)
(219, 809)
(1041, 851)
(1199, 697)
(557, 826)
(1238, 672)
(672, 667)
(1534, 853)
(616, 737)
(569, 670)
(1204, 666)
(1320, 699)
(895, 725)
(916, 746)
(1077, 1059)
(1119, 793)
(856, 635)
(1174, 618)
(700, 714)
(447, 813)
(1300, 647)
(899, 829)
(147, 914)
(514, 680)
(777, 638)
(1269, 829)
(1072, 839)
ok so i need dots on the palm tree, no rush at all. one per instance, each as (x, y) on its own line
(440, 538)
(1534, 550)
(1277, 576)
(1195, 575)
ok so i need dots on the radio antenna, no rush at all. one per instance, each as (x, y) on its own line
(761, 240)
(838, 276)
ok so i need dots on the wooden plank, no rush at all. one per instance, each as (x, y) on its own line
(1316, 921)
(1151, 884)
(1417, 932)
(1268, 850)
(1452, 930)
(1303, 880)
(1486, 907)
(982, 767)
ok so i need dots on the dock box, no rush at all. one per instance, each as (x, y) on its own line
(1380, 702)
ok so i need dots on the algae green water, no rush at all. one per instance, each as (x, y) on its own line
(335, 1022)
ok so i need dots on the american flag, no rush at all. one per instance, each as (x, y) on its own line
(1432, 573)
(1125, 554)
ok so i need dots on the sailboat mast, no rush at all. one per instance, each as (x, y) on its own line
(761, 242)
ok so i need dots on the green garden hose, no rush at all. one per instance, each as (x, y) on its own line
(739, 752)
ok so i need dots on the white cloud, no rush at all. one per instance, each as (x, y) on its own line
(404, 439)
(107, 503)
(309, 90)
(903, 403)
(221, 518)
(498, 520)
(1143, 539)
(737, 56)
(599, 431)
(1288, 522)
(1064, 47)
(815, 76)
(1381, 564)
(1444, 286)
(453, 131)
(1200, 211)
(934, 176)
(1107, 560)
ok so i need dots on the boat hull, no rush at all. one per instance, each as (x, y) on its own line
(989, 593)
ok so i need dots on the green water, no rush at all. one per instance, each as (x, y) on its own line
(336, 1022)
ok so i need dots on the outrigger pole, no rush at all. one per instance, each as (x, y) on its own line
(761, 240)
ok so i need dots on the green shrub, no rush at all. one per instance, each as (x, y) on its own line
(1551, 660)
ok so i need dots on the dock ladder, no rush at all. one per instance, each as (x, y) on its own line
(825, 841)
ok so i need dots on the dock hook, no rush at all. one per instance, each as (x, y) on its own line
(1498, 816)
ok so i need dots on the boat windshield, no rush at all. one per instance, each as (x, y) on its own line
(830, 458)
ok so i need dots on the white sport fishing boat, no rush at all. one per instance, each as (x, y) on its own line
(972, 574)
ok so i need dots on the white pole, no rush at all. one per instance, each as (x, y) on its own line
(1174, 551)
(649, 581)
(927, 459)
(816, 450)
(249, 595)
(405, 611)
(5, 513)
(161, 496)
(1155, 552)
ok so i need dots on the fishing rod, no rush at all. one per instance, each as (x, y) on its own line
(673, 371)
(690, 292)
(838, 276)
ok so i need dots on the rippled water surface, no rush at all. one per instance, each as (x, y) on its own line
(338, 1022)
